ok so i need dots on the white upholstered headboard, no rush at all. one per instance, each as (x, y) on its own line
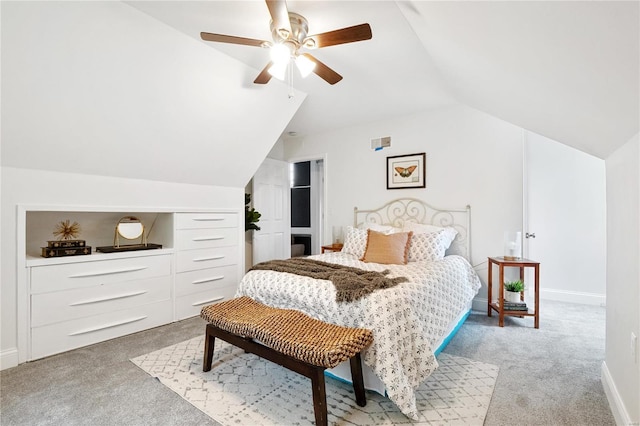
(397, 212)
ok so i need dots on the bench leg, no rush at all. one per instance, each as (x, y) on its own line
(209, 343)
(319, 397)
(358, 380)
(315, 373)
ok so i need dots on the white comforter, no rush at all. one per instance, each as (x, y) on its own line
(406, 320)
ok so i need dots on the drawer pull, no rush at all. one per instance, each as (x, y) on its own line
(102, 327)
(215, 299)
(207, 280)
(104, 299)
(207, 219)
(203, 259)
(208, 238)
(117, 271)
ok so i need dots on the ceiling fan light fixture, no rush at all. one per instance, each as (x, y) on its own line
(305, 65)
(289, 32)
(280, 54)
(278, 70)
(284, 33)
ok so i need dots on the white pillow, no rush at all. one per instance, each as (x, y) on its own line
(385, 229)
(448, 233)
(428, 246)
(420, 228)
(355, 242)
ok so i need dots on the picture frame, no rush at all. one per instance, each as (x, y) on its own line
(406, 171)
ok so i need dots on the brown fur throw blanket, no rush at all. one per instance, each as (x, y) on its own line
(351, 283)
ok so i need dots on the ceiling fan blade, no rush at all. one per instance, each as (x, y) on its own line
(323, 71)
(234, 40)
(280, 16)
(341, 36)
(264, 76)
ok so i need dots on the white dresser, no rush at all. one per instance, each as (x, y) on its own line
(80, 300)
(77, 304)
(207, 261)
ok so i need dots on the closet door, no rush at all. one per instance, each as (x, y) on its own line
(565, 208)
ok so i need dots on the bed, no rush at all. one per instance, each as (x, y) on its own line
(411, 321)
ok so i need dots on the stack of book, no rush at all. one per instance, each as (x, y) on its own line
(61, 248)
(514, 306)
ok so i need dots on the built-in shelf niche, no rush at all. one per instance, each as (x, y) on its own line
(97, 228)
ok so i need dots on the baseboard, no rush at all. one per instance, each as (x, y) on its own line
(573, 297)
(479, 304)
(618, 409)
(9, 358)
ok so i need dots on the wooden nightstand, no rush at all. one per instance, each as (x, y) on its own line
(332, 247)
(501, 262)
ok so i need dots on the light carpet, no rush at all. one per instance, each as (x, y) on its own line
(243, 389)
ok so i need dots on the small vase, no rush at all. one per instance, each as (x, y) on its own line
(511, 296)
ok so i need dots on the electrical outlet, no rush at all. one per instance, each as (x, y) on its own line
(634, 347)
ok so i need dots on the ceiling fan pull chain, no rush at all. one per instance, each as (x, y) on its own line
(290, 70)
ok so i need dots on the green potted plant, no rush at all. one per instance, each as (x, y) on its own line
(512, 290)
(251, 216)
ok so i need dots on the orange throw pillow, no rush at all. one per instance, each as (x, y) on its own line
(387, 248)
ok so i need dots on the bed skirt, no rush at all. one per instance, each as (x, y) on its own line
(342, 371)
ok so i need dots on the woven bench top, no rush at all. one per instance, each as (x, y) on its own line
(288, 331)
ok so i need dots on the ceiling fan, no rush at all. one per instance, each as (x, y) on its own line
(289, 32)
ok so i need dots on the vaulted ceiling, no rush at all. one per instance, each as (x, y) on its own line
(566, 70)
(100, 88)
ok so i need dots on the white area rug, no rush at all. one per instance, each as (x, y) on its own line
(242, 389)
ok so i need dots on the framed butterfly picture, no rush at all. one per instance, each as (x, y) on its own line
(406, 171)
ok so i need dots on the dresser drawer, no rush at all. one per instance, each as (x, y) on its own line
(49, 308)
(206, 279)
(190, 260)
(206, 220)
(191, 304)
(88, 274)
(63, 336)
(203, 238)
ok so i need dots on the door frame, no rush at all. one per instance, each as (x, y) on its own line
(324, 210)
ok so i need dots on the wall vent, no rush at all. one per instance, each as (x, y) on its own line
(379, 143)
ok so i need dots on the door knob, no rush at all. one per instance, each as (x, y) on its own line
(530, 235)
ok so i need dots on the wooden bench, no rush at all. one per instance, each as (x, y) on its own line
(291, 339)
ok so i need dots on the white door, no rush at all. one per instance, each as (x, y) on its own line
(271, 199)
(565, 207)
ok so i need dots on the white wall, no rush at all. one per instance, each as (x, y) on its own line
(621, 371)
(277, 152)
(102, 88)
(471, 158)
(23, 186)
